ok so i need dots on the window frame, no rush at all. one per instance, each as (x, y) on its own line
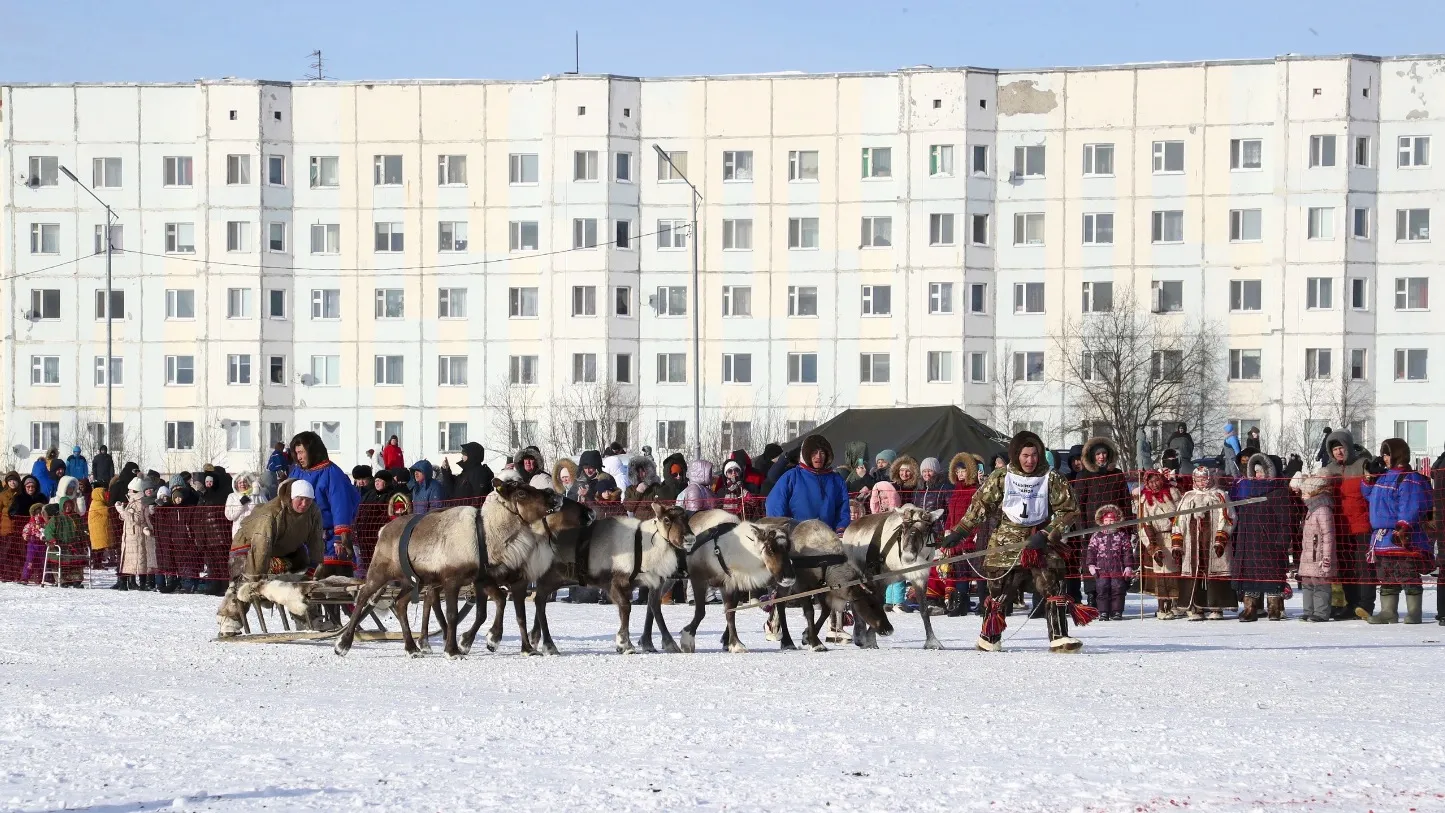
(1159, 221)
(1317, 151)
(316, 172)
(1092, 231)
(1418, 144)
(1402, 365)
(941, 229)
(1320, 223)
(869, 296)
(1236, 363)
(940, 298)
(870, 235)
(1024, 161)
(733, 169)
(798, 170)
(518, 298)
(1021, 228)
(737, 301)
(382, 370)
(238, 369)
(938, 367)
(730, 368)
(388, 236)
(797, 368)
(452, 170)
(1243, 298)
(1238, 158)
(1160, 153)
(871, 170)
(1023, 297)
(328, 247)
(1238, 219)
(171, 171)
(868, 368)
(798, 232)
(175, 370)
(732, 228)
(1403, 225)
(1091, 159)
(517, 166)
(442, 237)
(381, 172)
(451, 302)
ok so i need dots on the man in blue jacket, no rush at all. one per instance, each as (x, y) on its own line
(1399, 503)
(335, 496)
(812, 490)
(426, 491)
(76, 465)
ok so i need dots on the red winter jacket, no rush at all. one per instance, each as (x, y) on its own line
(391, 457)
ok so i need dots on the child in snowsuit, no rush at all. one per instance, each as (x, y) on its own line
(1111, 560)
(1317, 546)
(34, 536)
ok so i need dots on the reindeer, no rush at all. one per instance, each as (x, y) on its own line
(503, 542)
(819, 561)
(894, 539)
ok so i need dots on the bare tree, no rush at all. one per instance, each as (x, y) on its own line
(1010, 408)
(1131, 369)
(515, 414)
(1320, 403)
(591, 416)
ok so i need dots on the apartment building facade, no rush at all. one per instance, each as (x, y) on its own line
(473, 260)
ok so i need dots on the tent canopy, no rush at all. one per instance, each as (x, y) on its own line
(936, 431)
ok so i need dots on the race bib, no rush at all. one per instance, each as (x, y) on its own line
(1025, 499)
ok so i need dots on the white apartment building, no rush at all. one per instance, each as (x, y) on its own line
(475, 260)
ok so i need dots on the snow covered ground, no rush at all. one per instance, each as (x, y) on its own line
(122, 701)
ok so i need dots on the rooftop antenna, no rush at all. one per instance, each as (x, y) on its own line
(576, 53)
(318, 67)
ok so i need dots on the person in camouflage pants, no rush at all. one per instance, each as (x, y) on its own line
(1033, 506)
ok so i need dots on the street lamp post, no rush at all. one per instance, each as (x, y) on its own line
(110, 218)
(696, 313)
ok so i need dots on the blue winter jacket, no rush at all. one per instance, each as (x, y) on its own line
(335, 496)
(1398, 495)
(48, 481)
(75, 466)
(426, 496)
(276, 462)
(802, 493)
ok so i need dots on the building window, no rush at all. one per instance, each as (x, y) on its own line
(873, 368)
(1244, 365)
(1358, 369)
(978, 229)
(584, 165)
(180, 238)
(1317, 363)
(1099, 228)
(623, 230)
(1168, 157)
(940, 297)
(1245, 225)
(978, 160)
(238, 369)
(386, 170)
(940, 366)
(1359, 293)
(238, 303)
(737, 165)
(524, 433)
(584, 300)
(325, 171)
(452, 235)
(978, 367)
(877, 162)
(276, 170)
(180, 370)
(622, 368)
(522, 303)
(877, 300)
(672, 166)
(451, 170)
(1168, 295)
(117, 371)
(802, 232)
(238, 236)
(117, 305)
(117, 238)
(1166, 365)
(803, 165)
(1414, 151)
(1029, 229)
(802, 300)
(326, 371)
(326, 238)
(1410, 364)
(1167, 227)
(737, 300)
(737, 368)
(1413, 433)
(940, 161)
(584, 368)
(276, 369)
(584, 232)
(45, 370)
(178, 170)
(388, 371)
(1028, 297)
(802, 368)
(623, 166)
(796, 428)
(521, 168)
(1362, 151)
(940, 229)
(672, 235)
(671, 301)
(1098, 297)
(451, 303)
(978, 298)
(522, 235)
(1029, 161)
(1028, 366)
(325, 303)
(1246, 153)
(735, 435)
(671, 368)
(45, 171)
(1322, 151)
(238, 170)
(238, 433)
(180, 436)
(451, 436)
(737, 235)
(1321, 223)
(877, 232)
(1245, 295)
(105, 173)
(522, 369)
(390, 303)
(1360, 223)
(390, 237)
(1320, 293)
(1412, 293)
(1412, 225)
(45, 434)
(671, 434)
(180, 303)
(622, 300)
(44, 238)
(1098, 160)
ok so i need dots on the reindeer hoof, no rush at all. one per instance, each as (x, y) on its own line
(788, 646)
(415, 653)
(670, 647)
(491, 645)
(626, 650)
(819, 648)
(647, 647)
(689, 643)
(738, 649)
(531, 653)
(932, 643)
(551, 649)
(455, 656)
(341, 650)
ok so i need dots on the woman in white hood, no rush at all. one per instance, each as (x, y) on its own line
(246, 494)
(69, 486)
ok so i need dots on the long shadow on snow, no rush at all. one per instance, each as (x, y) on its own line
(162, 804)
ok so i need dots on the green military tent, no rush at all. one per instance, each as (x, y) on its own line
(935, 431)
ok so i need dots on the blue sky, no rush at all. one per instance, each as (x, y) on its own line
(154, 40)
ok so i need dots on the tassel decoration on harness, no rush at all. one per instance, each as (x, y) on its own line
(1082, 614)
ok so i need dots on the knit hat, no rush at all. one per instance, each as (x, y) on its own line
(301, 488)
(163, 492)
(931, 464)
(135, 486)
(887, 456)
(732, 465)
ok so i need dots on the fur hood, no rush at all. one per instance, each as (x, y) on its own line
(535, 455)
(1092, 445)
(971, 461)
(253, 484)
(811, 444)
(640, 469)
(1340, 437)
(1022, 441)
(315, 449)
(563, 464)
(1258, 459)
(1399, 452)
(898, 464)
(1105, 508)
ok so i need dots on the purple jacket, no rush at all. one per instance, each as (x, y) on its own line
(1112, 552)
